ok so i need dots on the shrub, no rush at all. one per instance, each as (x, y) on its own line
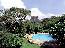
(58, 31)
(10, 40)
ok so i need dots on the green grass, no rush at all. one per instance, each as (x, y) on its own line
(26, 44)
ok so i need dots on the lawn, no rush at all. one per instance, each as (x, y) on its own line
(26, 44)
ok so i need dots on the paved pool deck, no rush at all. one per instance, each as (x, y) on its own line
(38, 42)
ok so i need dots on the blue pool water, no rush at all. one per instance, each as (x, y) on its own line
(44, 37)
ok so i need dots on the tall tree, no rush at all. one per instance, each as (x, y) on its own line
(17, 12)
(13, 15)
(58, 31)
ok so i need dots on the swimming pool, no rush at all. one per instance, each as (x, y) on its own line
(44, 37)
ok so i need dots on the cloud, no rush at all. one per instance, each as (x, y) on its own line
(37, 12)
(28, 17)
(49, 15)
(20, 4)
(12, 3)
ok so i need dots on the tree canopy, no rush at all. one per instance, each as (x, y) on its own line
(58, 31)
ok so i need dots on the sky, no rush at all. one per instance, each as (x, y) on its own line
(40, 8)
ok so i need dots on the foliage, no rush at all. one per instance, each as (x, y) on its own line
(10, 40)
(13, 27)
(33, 27)
(58, 31)
(13, 16)
(15, 40)
(17, 12)
(48, 22)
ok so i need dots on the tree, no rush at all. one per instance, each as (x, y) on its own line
(58, 31)
(14, 16)
(17, 13)
(9, 40)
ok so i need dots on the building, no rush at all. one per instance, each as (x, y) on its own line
(34, 19)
